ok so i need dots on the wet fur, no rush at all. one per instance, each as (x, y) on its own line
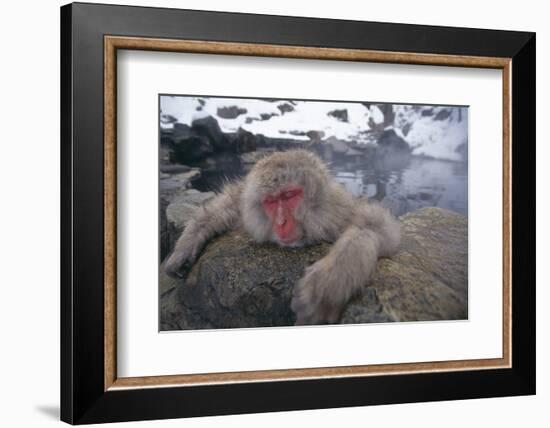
(361, 231)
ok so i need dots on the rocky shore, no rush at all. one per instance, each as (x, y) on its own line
(237, 283)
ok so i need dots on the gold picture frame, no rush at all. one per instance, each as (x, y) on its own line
(113, 43)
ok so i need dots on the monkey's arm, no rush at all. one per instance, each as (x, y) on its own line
(328, 284)
(217, 216)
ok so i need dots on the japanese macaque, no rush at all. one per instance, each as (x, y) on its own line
(289, 198)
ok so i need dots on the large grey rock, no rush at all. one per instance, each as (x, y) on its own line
(428, 279)
(187, 144)
(243, 141)
(208, 127)
(390, 142)
(230, 112)
(171, 187)
(238, 283)
(171, 184)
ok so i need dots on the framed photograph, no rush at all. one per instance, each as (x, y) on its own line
(267, 213)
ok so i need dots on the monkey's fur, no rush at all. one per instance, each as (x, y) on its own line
(362, 232)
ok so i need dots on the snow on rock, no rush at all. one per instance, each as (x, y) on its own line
(272, 119)
(436, 131)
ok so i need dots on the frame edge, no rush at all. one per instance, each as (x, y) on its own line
(66, 306)
(523, 134)
(77, 405)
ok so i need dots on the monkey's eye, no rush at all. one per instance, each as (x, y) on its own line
(270, 200)
(289, 195)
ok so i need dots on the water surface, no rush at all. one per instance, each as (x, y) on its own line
(401, 183)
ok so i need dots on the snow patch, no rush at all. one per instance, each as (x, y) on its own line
(438, 132)
(440, 139)
(306, 116)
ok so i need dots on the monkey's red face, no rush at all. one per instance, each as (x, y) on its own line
(280, 207)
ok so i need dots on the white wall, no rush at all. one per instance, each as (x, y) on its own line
(29, 232)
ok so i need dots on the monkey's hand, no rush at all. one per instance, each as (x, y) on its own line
(316, 298)
(184, 254)
(329, 283)
(215, 217)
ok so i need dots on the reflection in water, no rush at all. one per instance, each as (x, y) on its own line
(401, 183)
(415, 183)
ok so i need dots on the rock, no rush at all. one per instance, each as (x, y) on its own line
(170, 186)
(354, 152)
(267, 116)
(243, 141)
(341, 115)
(188, 150)
(285, 108)
(189, 197)
(389, 141)
(187, 145)
(427, 112)
(230, 112)
(387, 113)
(462, 150)
(370, 147)
(443, 114)
(174, 169)
(336, 146)
(333, 146)
(167, 118)
(172, 183)
(315, 135)
(165, 155)
(425, 196)
(193, 144)
(174, 314)
(428, 279)
(263, 116)
(208, 127)
(238, 283)
(365, 309)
